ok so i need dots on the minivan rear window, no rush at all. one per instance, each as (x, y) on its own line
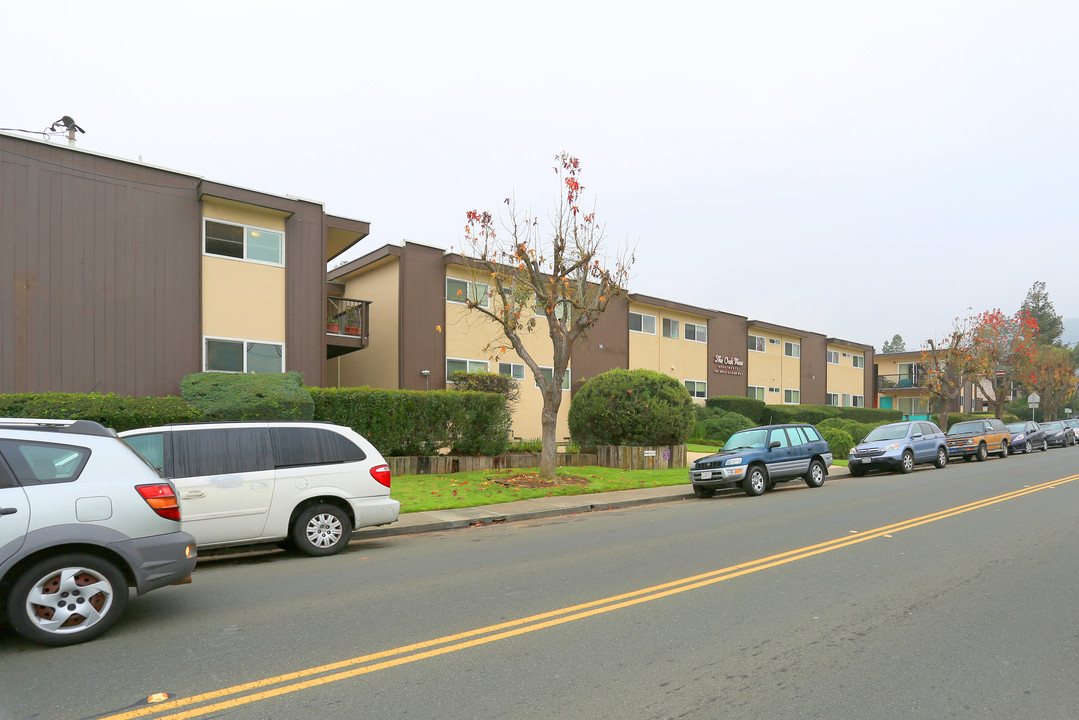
(298, 446)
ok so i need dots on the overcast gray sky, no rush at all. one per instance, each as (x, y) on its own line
(854, 168)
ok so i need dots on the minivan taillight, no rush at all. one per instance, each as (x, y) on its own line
(162, 498)
(381, 473)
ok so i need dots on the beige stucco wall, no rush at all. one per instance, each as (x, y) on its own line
(844, 378)
(680, 358)
(468, 332)
(243, 300)
(772, 368)
(377, 365)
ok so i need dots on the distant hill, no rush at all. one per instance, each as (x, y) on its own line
(1070, 335)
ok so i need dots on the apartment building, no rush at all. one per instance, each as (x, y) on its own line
(121, 277)
(422, 331)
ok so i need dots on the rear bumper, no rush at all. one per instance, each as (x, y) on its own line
(159, 560)
(374, 511)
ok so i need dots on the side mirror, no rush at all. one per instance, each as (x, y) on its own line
(773, 444)
(916, 435)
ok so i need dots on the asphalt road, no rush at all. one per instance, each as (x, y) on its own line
(943, 593)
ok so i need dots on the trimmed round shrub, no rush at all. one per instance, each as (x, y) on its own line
(721, 427)
(631, 407)
(840, 441)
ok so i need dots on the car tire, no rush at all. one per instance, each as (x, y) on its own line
(942, 458)
(703, 492)
(756, 482)
(983, 453)
(78, 597)
(1003, 449)
(815, 477)
(856, 471)
(906, 463)
(1045, 444)
(321, 530)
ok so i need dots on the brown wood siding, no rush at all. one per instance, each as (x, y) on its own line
(814, 373)
(611, 331)
(305, 292)
(422, 303)
(99, 273)
(727, 339)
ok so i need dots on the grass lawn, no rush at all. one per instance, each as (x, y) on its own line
(418, 493)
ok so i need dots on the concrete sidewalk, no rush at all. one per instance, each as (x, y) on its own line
(436, 520)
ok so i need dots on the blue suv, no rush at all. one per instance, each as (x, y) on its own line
(756, 459)
(899, 447)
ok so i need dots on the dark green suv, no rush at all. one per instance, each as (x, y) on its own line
(756, 459)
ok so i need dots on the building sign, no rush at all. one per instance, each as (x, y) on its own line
(728, 365)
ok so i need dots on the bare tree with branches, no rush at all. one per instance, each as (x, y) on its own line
(562, 276)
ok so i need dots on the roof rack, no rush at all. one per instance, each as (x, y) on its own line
(74, 427)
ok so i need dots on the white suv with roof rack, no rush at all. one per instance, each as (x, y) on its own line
(82, 517)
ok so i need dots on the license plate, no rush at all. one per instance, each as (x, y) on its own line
(706, 475)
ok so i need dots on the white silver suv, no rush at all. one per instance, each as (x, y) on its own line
(82, 517)
(304, 485)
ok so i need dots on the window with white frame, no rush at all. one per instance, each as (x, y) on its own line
(563, 311)
(792, 349)
(463, 365)
(859, 361)
(857, 400)
(697, 388)
(243, 242)
(242, 356)
(773, 341)
(831, 399)
(639, 322)
(756, 343)
(791, 397)
(833, 357)
(755, 391)
(548, 375)
(696, 333)
(913, 406)
(670, 328)
(514, 370)
(846, 399)
(462, 291)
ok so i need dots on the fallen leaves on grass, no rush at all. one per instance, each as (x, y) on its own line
(533, 481)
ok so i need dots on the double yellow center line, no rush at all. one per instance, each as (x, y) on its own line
(238, 695)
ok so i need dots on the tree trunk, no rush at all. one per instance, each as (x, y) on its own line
(548, 463)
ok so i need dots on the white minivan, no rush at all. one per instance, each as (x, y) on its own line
(309, 484)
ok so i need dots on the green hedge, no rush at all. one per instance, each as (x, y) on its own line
(762, 414)
(408, 422)
(115, 411)
(248, 396)
(631, 407)
(840, 441)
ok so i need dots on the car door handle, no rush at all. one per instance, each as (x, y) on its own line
(8, 511)
(192, 494)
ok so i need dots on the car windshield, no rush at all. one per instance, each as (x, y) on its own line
(886, 432)
(743, 439)
(1017, 427)
(1051, 426)
(967, 428)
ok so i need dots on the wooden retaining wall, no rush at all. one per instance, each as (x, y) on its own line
(626, 458)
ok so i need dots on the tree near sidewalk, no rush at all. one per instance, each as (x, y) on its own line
(1001, 349)
(1052, 376)
(948, 365)
(563, 276)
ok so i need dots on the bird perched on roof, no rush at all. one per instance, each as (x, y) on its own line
(67, 122)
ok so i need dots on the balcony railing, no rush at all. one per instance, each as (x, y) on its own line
(898, 382)
(348, 317)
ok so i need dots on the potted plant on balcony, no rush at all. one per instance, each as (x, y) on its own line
(352, 321)
(333, 325)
